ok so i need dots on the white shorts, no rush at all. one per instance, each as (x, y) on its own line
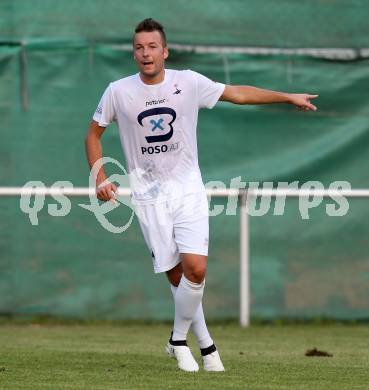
(174, 227)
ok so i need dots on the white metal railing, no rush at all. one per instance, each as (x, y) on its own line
(242, 194)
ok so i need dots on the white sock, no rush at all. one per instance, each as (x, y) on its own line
(198, 325)
(187, 300)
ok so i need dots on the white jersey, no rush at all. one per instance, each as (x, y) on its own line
(157, 126)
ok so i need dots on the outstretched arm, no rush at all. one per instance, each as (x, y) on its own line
(244, 94)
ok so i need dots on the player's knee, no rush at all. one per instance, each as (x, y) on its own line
(174, 279)
(197, 274)
(174, 275)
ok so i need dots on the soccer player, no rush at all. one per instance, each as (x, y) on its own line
(156, 111)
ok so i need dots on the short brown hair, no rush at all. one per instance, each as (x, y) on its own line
(149, 25)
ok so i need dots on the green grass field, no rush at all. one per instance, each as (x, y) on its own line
(131, 356)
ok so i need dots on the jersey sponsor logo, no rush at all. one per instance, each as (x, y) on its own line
(99, 110)
(158, 123)
(153, 102)
(159, 148)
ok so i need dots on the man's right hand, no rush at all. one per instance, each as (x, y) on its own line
(106, 191)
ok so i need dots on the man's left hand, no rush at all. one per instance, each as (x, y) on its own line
(302, 101)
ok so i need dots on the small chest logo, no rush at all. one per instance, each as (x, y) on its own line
(177, 91)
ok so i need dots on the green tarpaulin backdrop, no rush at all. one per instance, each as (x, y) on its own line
(49, 88)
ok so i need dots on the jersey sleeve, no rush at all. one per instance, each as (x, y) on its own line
(208, 91)
(105, 111)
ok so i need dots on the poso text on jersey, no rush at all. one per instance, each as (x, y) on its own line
(159, 148)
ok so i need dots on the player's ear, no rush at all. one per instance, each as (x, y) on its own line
(166, 52)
